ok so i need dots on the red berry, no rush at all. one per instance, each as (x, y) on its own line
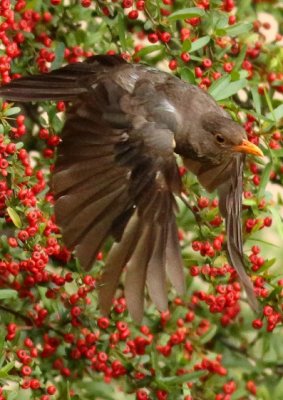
(51, 390)
(207, 63)
(198, 72)
(185, 57)
(173, 64)
(257, 324)
(26, 370)
(165, 37)
(133, 14)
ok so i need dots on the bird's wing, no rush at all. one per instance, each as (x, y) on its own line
(230, 200)
(115, 175)
(227, 178)
(65, 83)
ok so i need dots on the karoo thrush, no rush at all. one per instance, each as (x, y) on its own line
(116, 172)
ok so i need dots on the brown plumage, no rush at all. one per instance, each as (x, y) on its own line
(116, 173)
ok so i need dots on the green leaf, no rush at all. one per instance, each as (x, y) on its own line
(147, 25)
(2, 342)
(121, 31)
(59, 55)
(187, 75)
(149, 49)
(6, 369)
(235, 30)
(186, 13)
(186, 46)
(277, 153)
(268, 264)
(176, 380)
(68, 391)
(199, 43)
(240, 58)
(12, 111)
(270, 106)
(278, 221)
(208, 335)
(238, 29)
(256, 100)
(231, 89)
(14, 217)
(265, 179)
(278, 390)
(8, 294)
(219, 85)
(277, 113)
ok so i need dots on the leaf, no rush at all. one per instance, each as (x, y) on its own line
(238, 29)
(2, 342)
(208, 335)
(121, 31)
(148, 25)
(240, 58)
(12, 111)
(6, 369)
(186, 46)
(231, 89)
(235, 30)
(277, 153)
(199, 43)
(8, 294)
(278, 390)
(265, 179)
(277, 113)
(14, 217)
(187, 75)
(278, 221)
(256, 100)
(176, 380)
(219, 85)
(68, 391)
(269, 103)
(149, 49)
(59, 55)
(268, 264)
(186, 13)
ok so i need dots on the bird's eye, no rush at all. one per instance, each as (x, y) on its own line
(220, 138)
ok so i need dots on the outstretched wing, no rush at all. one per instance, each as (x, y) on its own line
(115, 175)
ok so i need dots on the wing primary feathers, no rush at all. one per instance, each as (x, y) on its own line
(136, 272)
(115, 262)
(156, 276)
(234, 230)
(174, 262)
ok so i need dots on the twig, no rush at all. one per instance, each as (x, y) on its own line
(29, 321)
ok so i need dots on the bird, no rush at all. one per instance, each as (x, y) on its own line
(116, 174)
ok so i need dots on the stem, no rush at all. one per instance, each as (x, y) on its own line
(29, 321)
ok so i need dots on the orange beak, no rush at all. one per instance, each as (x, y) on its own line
(249, 148)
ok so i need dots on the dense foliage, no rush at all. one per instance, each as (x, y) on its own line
(54, 343)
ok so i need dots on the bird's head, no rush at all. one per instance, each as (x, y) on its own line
(225, 136)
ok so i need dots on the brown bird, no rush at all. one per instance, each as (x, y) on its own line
(116, 172)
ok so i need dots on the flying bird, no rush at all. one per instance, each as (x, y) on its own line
(116, 173)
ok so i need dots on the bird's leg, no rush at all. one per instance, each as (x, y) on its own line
(196, 215)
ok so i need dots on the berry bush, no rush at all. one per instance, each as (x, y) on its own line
(209, 345)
